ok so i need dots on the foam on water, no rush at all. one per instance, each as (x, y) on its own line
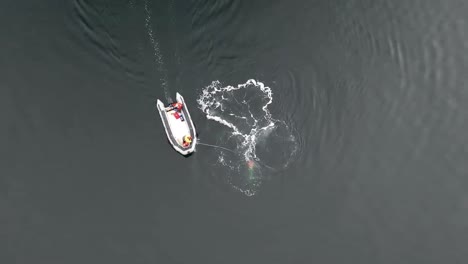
(211, 103)
(243, 110)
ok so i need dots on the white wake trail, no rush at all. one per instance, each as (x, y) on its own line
(156, 51)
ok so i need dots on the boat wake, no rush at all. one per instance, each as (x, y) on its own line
(261, 142)
(156, 51)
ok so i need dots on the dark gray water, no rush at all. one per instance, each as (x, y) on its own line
(353, 115)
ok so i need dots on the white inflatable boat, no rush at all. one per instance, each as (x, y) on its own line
(178, 125)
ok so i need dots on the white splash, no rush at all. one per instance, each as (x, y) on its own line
(213, 99)
(243, 109)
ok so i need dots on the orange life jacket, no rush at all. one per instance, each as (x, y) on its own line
(186, 143)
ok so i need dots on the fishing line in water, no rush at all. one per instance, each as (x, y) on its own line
(250, 163)
(214, 146)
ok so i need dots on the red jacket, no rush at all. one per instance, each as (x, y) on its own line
(178, 106)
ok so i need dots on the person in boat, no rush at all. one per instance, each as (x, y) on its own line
(187, 140)
(175, 106)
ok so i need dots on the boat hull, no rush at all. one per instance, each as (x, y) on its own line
(177, 125)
